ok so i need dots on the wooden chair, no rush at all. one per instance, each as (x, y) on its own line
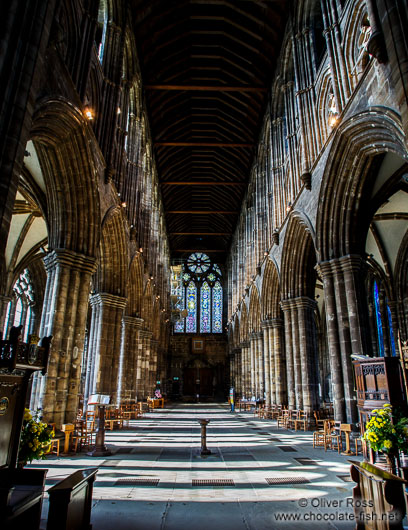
(302, 421)
(82, 436)
(334, 437)
(293, 416)
(55, 443)
(282, 420)
(320, 437)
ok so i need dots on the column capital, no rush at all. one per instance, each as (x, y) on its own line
(70, 259)
(135, 322)
(305, 302)
(350, 262)
(107, 299)
(272, 323)
(144, 334)
(287, 305)
(255, 335)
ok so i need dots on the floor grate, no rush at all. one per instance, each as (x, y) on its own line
(345, 478)
(264, 433)
(307, 461)
(286, 480)
(287, 448)
(138, 481)
(213, 482)
(275, 440)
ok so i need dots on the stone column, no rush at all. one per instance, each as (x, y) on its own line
(346, 316)
(105, 344)
(268, 361)
(307, 347)
(353, 269)
(254, 364)
(290, 356)
(260, 364)
(277, 346)
(64, 317)
(153, 365)
(333, 340)
(129, 351)
(238, 371)
(143, 362)
(246, 369)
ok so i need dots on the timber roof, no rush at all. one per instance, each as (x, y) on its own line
(206, 68)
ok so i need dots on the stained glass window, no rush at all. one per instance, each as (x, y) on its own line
(205, 306)
(379, 323)
(179, 324)
(391, 331)
(198, 262)
(201, 293)
(191, 319)
(217, 308)
(217, 269)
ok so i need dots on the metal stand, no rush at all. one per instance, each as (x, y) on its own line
(204, 449)
(100, 447)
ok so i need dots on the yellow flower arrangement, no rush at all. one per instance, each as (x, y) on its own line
(35, 438)
(386, 432)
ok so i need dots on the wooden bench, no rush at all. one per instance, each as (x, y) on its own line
(378, 497)
(70, 501)
(21, 495)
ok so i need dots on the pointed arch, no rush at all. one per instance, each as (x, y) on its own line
(135, 287)
(70, 162)
(236, 332)
(112, 274)
(298, 276)
(254, 318)
(243, 325)
(342, 220)
(270, 297)
(147, 307)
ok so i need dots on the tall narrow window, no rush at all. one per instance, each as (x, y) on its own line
(179, 324)
(6, 321)
(191, 319)
(394, 353)
(102, 25)
(378, 319)
(205, 304)
(217, 308)
(18, 312)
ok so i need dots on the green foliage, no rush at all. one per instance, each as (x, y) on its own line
(35, 439)
(386, 431)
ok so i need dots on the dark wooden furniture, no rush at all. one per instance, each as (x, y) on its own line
(379, 380)
(21, 490)
(21, 495)
(378, 497)
(70, 501)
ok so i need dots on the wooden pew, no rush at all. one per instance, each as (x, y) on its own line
(70, 501)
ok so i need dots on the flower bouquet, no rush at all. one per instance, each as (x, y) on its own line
(387, 432)
(35, 439)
